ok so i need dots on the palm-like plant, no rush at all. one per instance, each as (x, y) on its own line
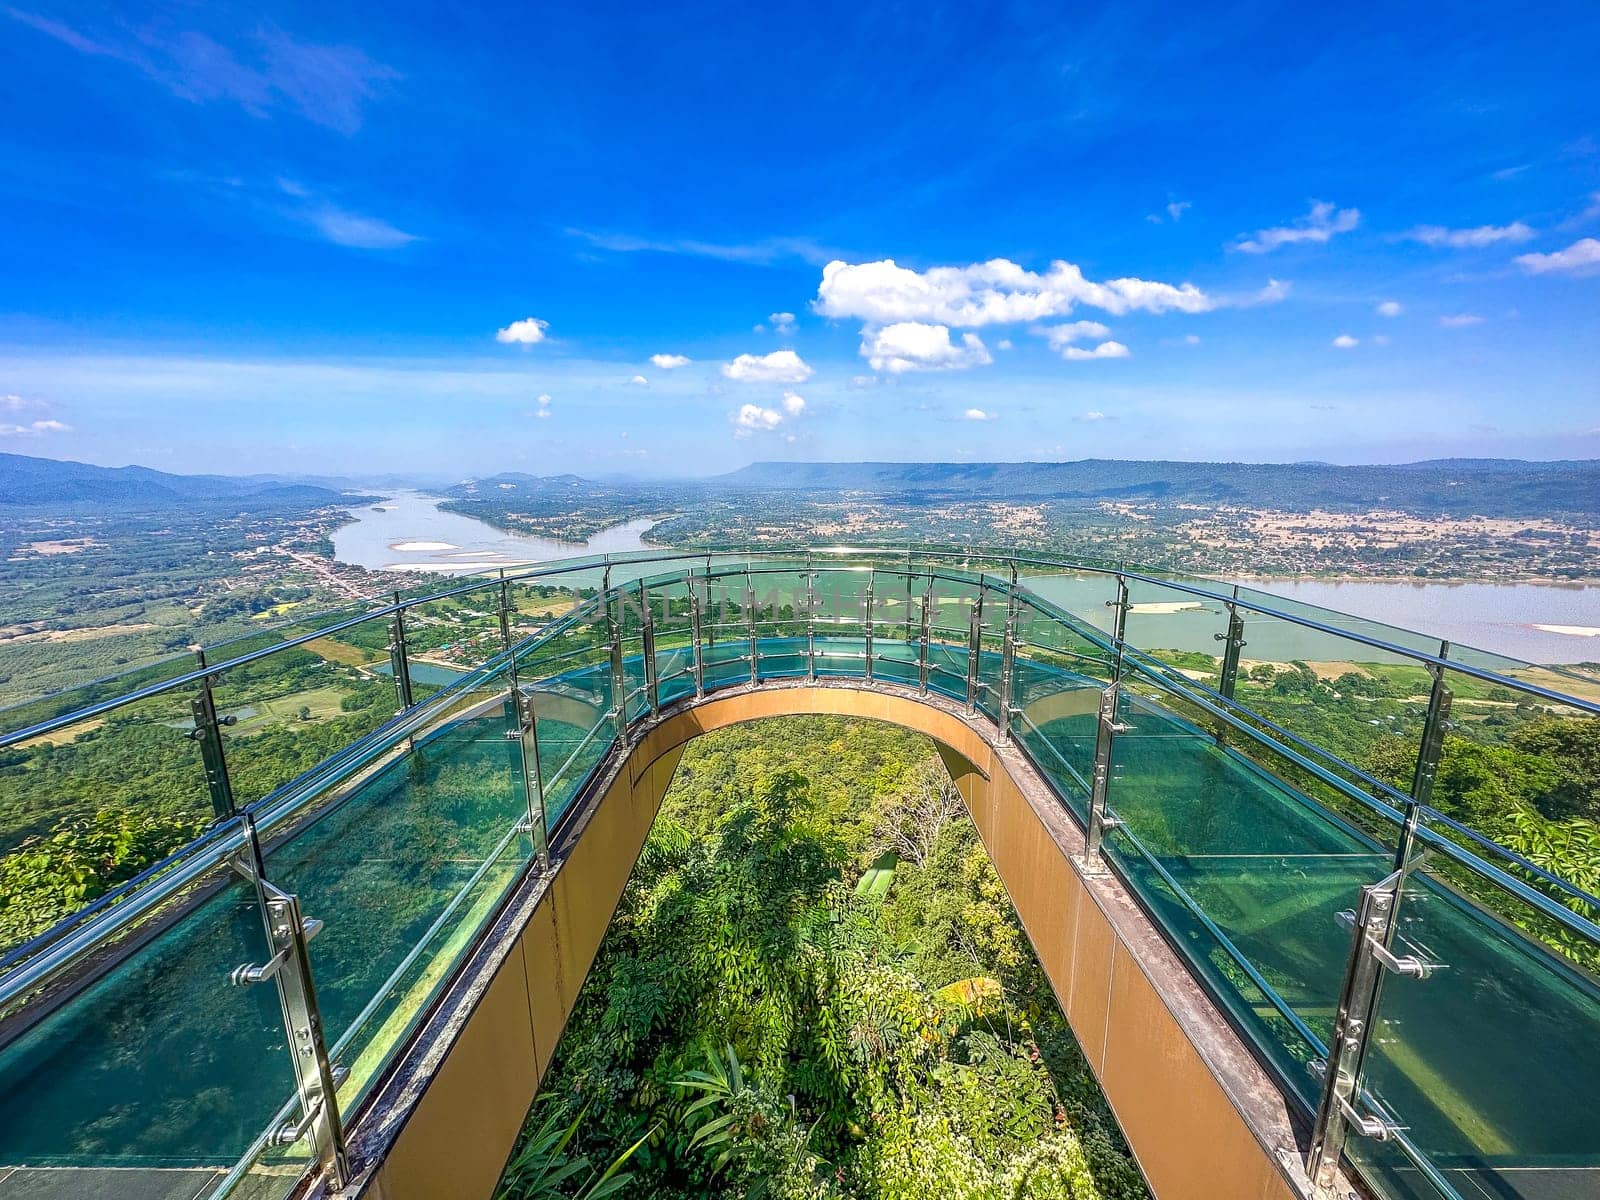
(542, 1169)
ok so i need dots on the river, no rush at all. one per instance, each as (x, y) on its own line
(1540, 623)
(409, 532)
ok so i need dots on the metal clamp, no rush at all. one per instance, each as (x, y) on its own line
(1408, 965)
(259, 973)
(291, 1132)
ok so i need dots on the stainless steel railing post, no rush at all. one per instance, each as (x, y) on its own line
(696, 627)
(527, 734)
(927, 636)
(750, 628)
(811, 622)
(1435, 724)
(647, 642)
(207, 732)
(289, 931)
(1233, 642)
(1101, 818)
(505, 611)
(870, 616)
(1119, 623)
(1008, 666)
(1339, 1111)
(619, 677)
(399, 657)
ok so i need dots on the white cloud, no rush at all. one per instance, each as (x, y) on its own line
(914, 346)
(1174, 211)
(1003, 344)
(1276, 290)
(1061, 336)
(356, 231)
(1320, 224)
(262, 72)
(752, 418)
(1103, 350)
(782, 322)
(1461, 320)
(1390, 308)
(1580, 258)
(1345, 342)
(1093, 415)
(793, 403)
(638, 381)
(35, 429)
(669, 362)
(1191, 339)
(527, 332)
(339, 225)
(995, 292)
(1477, 237)
(764, 252)
(544, 406)
(978, 414)
(781, 366)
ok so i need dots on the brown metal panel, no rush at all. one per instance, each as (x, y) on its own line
(1191, 1143)
(458, 1137)
(1089, 993)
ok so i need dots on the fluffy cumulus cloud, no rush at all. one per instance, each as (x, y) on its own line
(1061, 336)
(978, 414)
(543, 411)
(1580, 258)
(1390, 308)
(997, 292)
(752, 418)
(1063, 339)
(1092, 416)
(1319, 225)
(914, 346)
(669, 362)
(782, 323)
(638, 381)
(793, 403)
(529, 331)
(781, 366)
(1345, 342)
(1469, 239)
(1103, 350)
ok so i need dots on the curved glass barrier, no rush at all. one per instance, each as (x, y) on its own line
(1264, 770)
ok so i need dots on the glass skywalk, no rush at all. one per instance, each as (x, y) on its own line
(130, 1038)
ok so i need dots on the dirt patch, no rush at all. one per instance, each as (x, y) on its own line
(64, 546)
(1323, 670)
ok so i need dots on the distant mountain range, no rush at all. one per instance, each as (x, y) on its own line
(1486, 487)
(26, 481)
(1490, 487)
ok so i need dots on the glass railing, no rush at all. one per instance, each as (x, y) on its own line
(1258, 775)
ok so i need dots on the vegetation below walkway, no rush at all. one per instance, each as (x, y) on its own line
(815, 986)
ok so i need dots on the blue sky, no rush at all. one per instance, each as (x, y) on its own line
(461, 240)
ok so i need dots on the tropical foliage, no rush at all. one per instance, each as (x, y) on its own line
(786, 1008)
